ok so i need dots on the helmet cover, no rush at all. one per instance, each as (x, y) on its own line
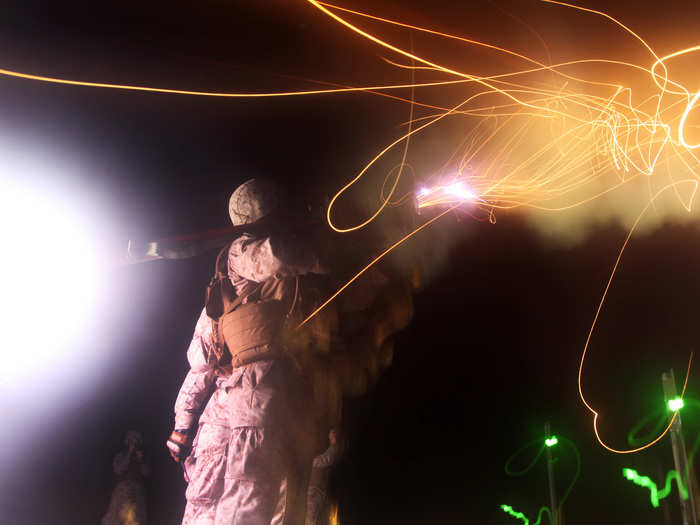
(251, 201)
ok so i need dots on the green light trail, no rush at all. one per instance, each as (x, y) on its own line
(655, 495)
(520, 516)
(517, 453)
(540, 444)
(659, 418)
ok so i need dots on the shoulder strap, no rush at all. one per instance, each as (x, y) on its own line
(220, 292)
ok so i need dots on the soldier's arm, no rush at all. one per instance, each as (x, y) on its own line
(200, 381)
(196, 389)
(200, 353)
(327, 458)
(258, 259)
(194, 394)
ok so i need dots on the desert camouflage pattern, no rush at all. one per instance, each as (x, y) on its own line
(317, 506)
(205, 469)
(258, 259)
(202, 399)
(326, 459)
(127, 505)
(240, 459)
(239, 456)
(258, 410)
(251, 201)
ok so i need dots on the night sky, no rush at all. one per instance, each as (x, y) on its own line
(492, 352)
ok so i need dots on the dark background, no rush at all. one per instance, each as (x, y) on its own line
(492, 352)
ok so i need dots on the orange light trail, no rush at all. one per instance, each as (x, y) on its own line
(596, 414)
(375, 261)
(546, 137)
(596, 125)
(593, 133)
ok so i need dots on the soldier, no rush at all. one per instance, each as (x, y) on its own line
(200, 406)
(317, 508)
(239, 370)
(128, 503)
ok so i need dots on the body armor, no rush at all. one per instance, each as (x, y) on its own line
(248, 326)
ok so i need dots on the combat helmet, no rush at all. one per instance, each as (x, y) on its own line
(251, 201)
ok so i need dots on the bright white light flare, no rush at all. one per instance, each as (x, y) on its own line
(48, 279)
(448, 195)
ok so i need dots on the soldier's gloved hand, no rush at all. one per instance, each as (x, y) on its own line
(179, 444)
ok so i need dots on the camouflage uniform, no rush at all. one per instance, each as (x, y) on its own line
(317, 509)
(253, 452)
(239, 455)
(128, 503)
(199, 394)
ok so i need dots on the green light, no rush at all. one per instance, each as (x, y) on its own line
(675, 404)
(520, 516)
(541, 447)
(654, 493)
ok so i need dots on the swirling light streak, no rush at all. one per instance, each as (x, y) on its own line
(681, 126)
(623, 130)
(655, 495)
(520, 516)
(541, 445)
(595, 413)
(375, 261)
(633, 139)
(661, 416)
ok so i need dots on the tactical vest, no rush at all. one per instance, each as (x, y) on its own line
(249, 326)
